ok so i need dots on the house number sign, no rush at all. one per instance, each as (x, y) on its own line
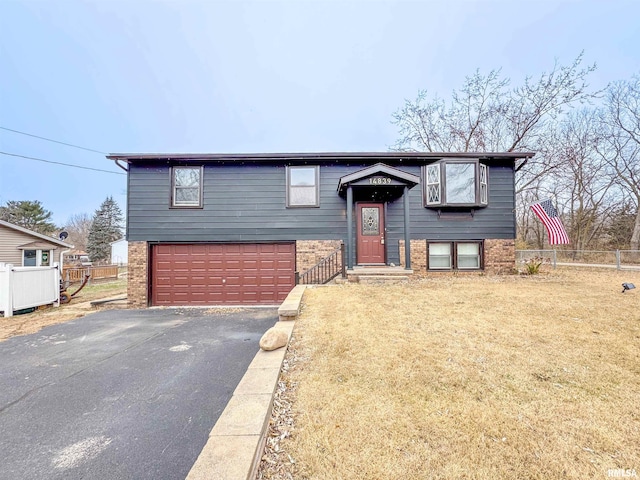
(379, 181)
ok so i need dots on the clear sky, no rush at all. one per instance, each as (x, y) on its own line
(235, 76)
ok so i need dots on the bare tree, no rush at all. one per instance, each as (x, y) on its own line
(487, 114)
(621, 120)
(585, 186)
(78, 226)
(530, 230)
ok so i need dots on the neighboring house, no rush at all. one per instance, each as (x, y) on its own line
(25, 248)
(77, 257)
(119, 252)
(234, 228)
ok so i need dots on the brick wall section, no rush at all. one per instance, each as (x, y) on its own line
(418, 255)
(138, 275)
(310, 252)
(499, 256)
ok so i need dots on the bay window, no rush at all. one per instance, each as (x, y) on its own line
(455, 183)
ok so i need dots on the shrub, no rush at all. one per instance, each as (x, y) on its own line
(532, 266)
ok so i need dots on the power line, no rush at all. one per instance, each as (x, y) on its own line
(60, 163)
(54, 141)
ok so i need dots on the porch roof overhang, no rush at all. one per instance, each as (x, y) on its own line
(390, 177)
(38, 246)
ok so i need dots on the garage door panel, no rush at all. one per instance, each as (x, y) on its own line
(218, 274)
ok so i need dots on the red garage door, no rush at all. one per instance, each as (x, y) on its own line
(221, 274)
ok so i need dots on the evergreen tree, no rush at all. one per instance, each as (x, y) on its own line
(105, 228)
(28, 214)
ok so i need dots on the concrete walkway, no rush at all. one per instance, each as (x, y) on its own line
(236, 441)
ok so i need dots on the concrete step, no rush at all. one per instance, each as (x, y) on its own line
(381, 279)
(390, 271)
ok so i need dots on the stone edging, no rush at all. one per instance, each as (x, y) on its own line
(237, 439)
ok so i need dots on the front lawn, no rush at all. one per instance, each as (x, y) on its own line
(463, 377)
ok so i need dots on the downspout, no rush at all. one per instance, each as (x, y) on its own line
(121, 166)
(62, 252)
(519, 167)
(60, 279)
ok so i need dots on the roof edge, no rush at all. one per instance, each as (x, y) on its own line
(316, 156)
(35, 234)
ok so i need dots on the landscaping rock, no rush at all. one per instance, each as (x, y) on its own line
(273, 339)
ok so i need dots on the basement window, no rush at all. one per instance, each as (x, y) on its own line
(454, 255)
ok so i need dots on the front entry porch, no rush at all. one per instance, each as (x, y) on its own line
(370, 190)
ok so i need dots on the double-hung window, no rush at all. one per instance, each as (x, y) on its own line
(303, 186)
(454, 255)
(456, 183)
(186, 187)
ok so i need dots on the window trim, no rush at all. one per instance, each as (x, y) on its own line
(483, 180)
(172, 203)
(481, 195)
(288, 170)
(453, 259)
(39, 252)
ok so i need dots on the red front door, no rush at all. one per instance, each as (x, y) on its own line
(370, 225)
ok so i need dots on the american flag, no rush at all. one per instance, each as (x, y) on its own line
(548, 214)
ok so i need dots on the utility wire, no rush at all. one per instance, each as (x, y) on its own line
(60, 163)
(54, 141)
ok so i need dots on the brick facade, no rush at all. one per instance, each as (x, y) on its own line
(310, 252)
(499, 256)
(138, 275)
(418, 255)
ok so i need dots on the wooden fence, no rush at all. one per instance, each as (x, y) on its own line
(73, 275)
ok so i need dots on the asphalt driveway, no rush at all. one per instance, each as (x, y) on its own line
(121, 394)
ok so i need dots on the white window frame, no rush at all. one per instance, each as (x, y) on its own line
(38, 257)
(174, 188)
(477, 257)
(429, 256)
(316, 186)
(433, 184)
(483, 182)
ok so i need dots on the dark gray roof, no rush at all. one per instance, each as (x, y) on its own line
(321, 156)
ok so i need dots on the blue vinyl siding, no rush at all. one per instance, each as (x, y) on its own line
(247, 203)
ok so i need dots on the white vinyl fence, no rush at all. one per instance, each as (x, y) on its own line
(27, 287)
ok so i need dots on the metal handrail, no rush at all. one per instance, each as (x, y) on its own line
(325, 270)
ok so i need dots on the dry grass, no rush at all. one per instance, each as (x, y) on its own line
(78, 307)
(467, 377)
